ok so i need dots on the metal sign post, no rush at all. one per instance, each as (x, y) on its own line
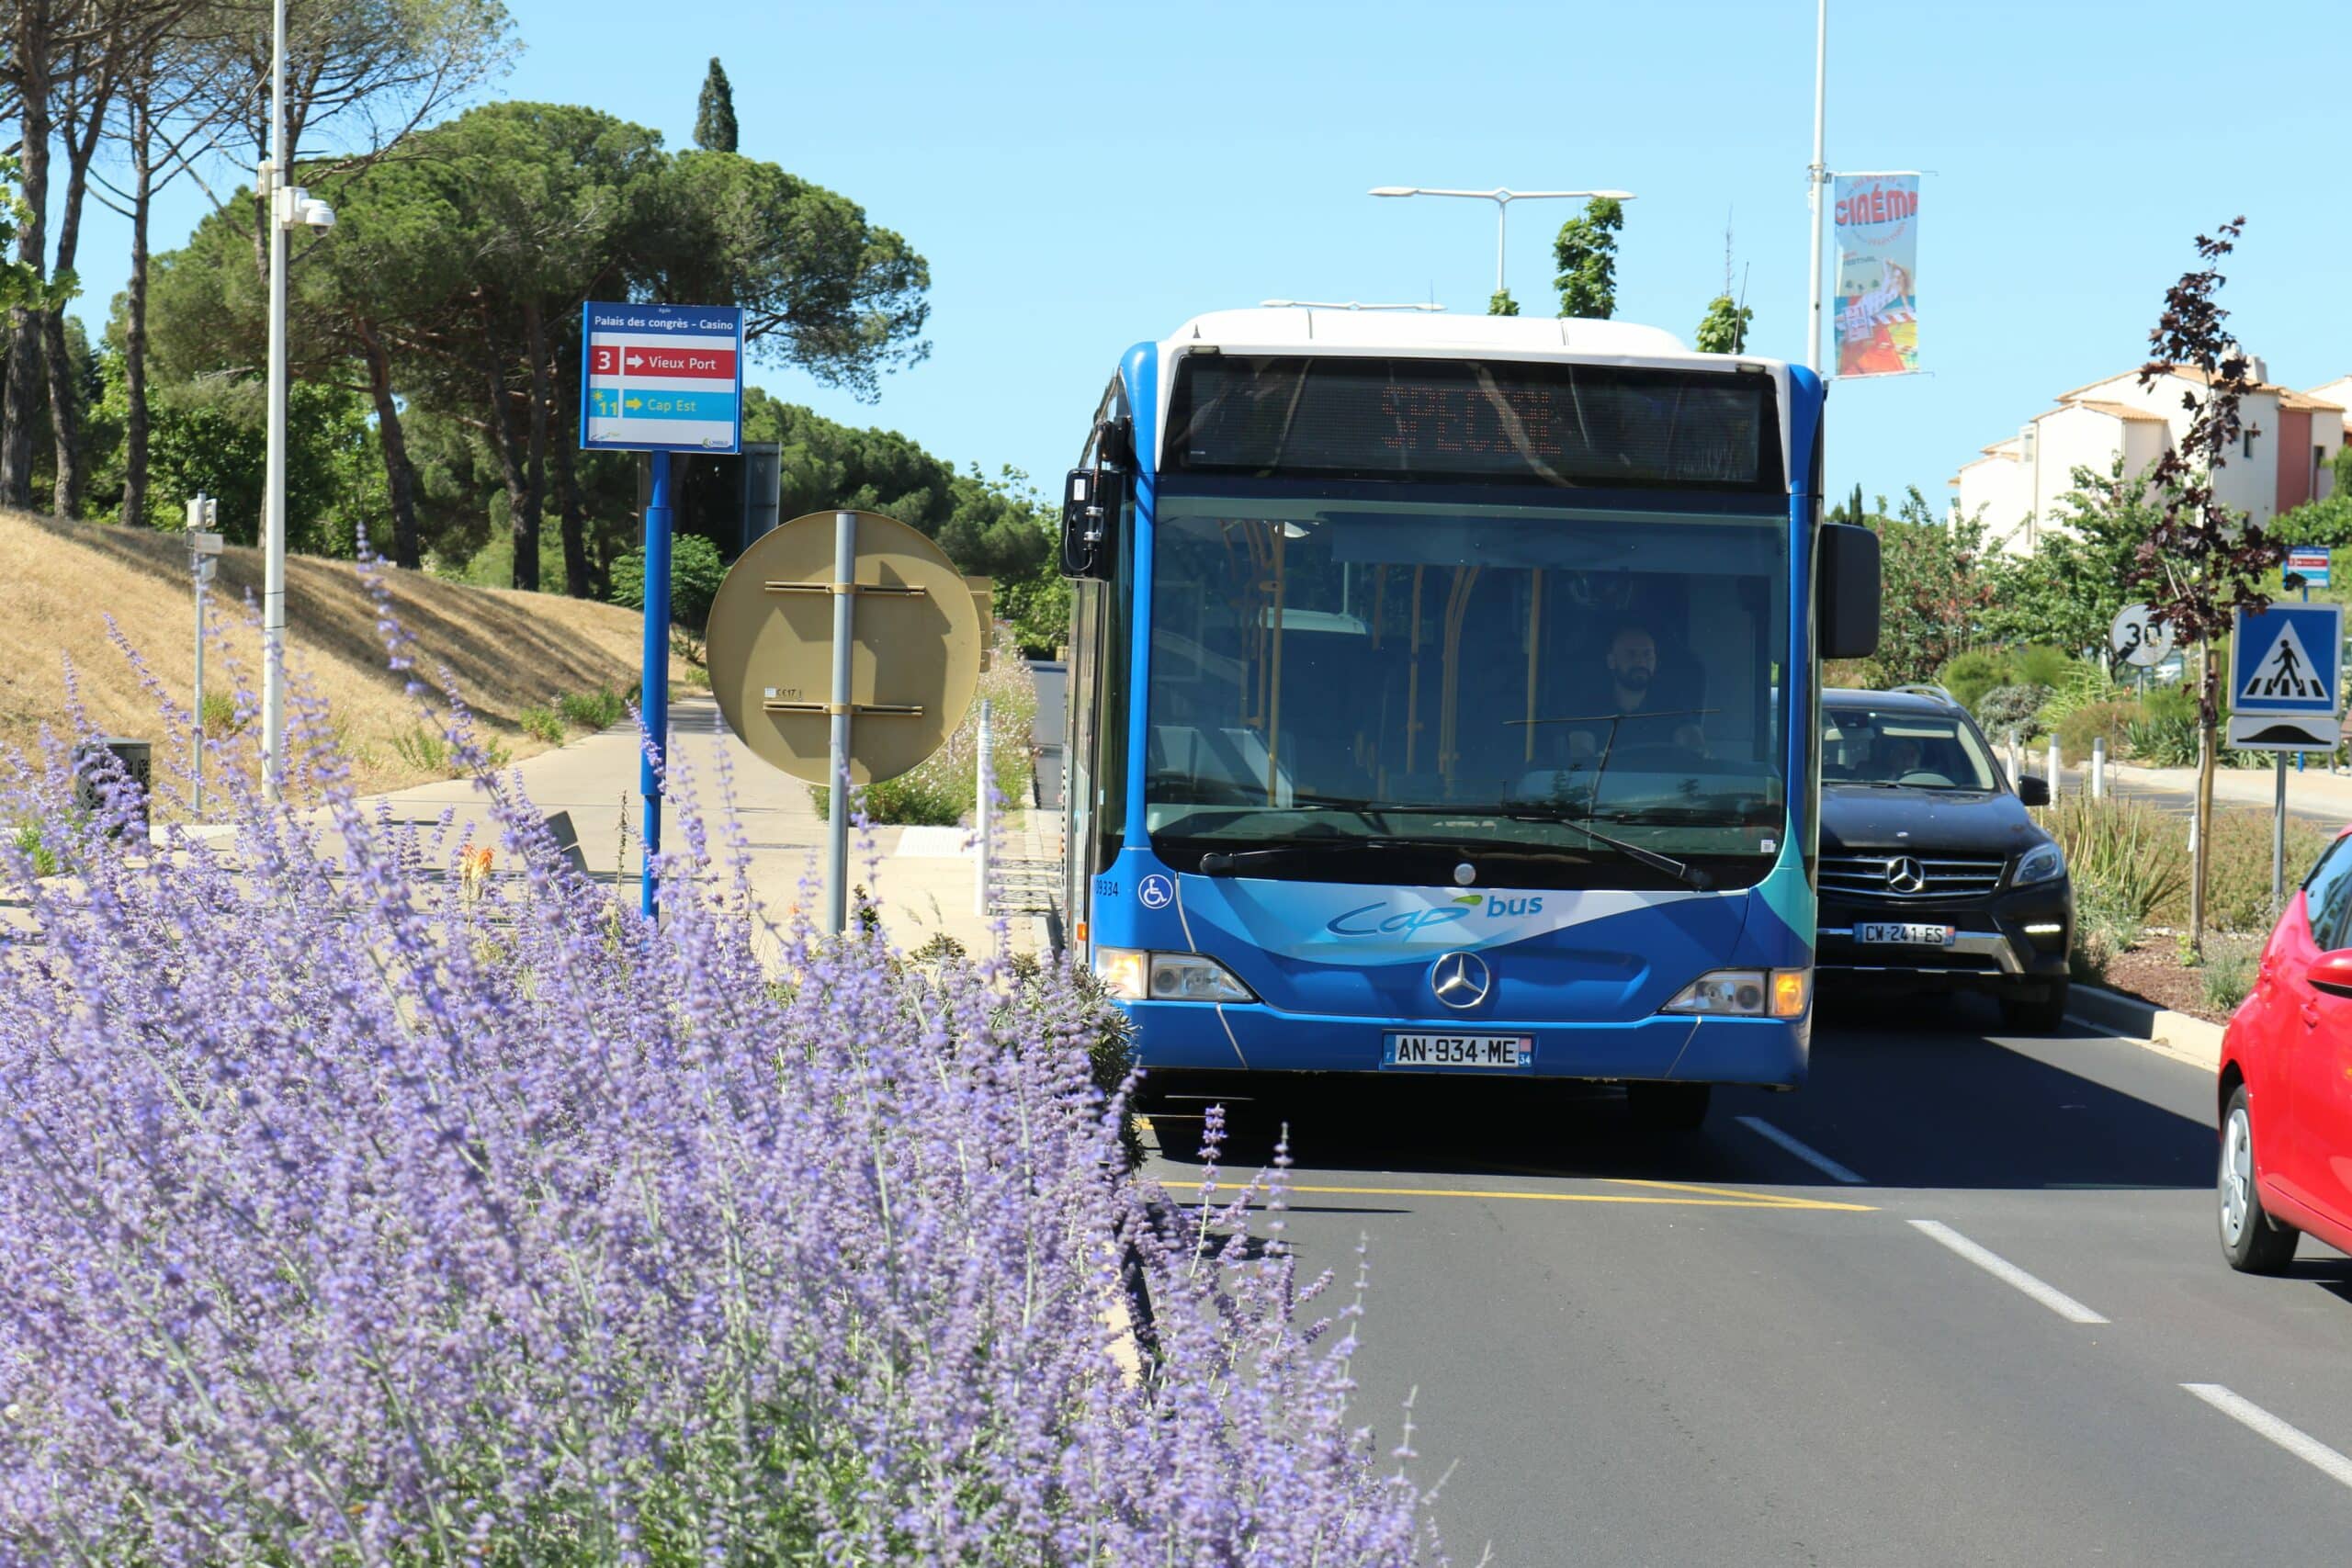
(837, 750)
(658, 379)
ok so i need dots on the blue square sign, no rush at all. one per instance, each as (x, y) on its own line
(2288, 661)
(661, 377)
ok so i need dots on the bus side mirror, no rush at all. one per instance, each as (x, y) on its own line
(1090, 506)
(1846, 606)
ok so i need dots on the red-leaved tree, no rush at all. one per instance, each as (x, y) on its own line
(2202, 561)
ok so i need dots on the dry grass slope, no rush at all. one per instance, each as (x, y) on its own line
(61, 581)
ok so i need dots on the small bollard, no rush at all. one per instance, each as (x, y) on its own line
(2099, 767)
(2055, 771)
(94, 760)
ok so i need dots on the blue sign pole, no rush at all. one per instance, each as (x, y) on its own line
(653, 699)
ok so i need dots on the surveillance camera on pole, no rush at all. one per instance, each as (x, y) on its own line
(298, 208)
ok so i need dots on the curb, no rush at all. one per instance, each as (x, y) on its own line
(2168, 1033)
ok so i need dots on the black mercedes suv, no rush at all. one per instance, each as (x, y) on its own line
(1932, 877)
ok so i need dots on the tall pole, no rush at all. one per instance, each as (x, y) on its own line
(1502, 213)
(1816, 175)
(653, 691)
(837, 817)
(273, 504)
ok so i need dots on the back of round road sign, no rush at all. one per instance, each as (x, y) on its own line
(915, 653)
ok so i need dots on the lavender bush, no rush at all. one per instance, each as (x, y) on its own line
(357, 1215)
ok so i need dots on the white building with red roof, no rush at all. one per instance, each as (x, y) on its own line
(2019, 486)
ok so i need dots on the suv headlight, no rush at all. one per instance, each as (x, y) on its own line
(1131, 974)
(1744, 993)
(2043, 862)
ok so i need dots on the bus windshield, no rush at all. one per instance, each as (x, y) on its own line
(1476, 674)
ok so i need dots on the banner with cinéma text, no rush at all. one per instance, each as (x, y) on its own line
(1877, 218)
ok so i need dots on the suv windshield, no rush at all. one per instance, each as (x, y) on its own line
(1438, 675)
(1906, 747)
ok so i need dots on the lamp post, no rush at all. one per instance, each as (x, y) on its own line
(1502, 198)
(1816, 175)
(290, 207)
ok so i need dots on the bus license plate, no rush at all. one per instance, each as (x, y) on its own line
(1509, 1053)
(1889, 933)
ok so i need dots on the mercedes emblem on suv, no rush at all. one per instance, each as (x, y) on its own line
(1461, 979)
(1905, 875)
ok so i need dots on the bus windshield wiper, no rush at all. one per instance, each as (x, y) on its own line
(1221, 863)
(1689, 875)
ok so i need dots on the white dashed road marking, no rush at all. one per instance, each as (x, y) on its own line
(2009, 1273)
(1812, 1156)
(2294, 1439)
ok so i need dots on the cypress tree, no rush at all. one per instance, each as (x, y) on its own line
(715, 112)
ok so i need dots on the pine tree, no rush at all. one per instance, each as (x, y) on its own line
(715, 112)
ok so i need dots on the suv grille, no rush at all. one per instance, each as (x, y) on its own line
(1868, 876)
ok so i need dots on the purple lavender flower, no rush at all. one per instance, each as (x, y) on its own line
(350, 1219)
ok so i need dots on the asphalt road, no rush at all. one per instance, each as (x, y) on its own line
(1711, 1348)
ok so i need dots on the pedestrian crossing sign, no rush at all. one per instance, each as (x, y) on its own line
(2288, 661)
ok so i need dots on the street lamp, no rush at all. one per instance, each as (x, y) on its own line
(290, 207)
(1502, 198)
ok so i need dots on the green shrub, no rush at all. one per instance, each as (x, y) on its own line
(2103, 929)
(33, 845)
(544, 725)
(598, 710)
(695, 573)
(2076, 729)
(2011, 711)
(1969, 675)
(2237, 870)
(944, 789)
(2126, 857)
(2039, 664)
(219, 715)
(911, 800)
(1855, 675)
(426, 750)
(2160, 740)
(2226, 978)
(2170, 703)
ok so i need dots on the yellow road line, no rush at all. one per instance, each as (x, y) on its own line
(1720, 1198)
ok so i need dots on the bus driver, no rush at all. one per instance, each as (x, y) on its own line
(1630, 664)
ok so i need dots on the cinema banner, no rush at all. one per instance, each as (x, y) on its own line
(1877, 218)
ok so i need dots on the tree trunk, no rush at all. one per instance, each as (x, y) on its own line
(83, 124)
(2207, 715)
(524, 528)
(134, 328)
(22, 393)
(535, 339)
(399, 474)
(64, 416)
(570, 522)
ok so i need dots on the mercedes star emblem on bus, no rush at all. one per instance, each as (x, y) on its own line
(1461, 979)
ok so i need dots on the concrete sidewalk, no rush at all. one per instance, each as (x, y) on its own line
(923, 877)
(2314, 792)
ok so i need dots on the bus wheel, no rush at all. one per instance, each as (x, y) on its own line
(1669, 1106)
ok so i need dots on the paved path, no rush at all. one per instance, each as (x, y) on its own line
(1715, 1349)
(924, 877)
(2314, 793)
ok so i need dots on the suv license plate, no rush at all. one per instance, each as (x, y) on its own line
(1889, 933)
(1508, 1053)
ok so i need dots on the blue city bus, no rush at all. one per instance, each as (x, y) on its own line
(1442, 698)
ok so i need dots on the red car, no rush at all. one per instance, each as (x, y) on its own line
(2286, 1084)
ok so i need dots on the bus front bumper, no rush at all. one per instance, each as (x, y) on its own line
(1197, 1036)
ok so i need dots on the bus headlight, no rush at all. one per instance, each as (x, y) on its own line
(1121, 972)
(1189, 977)
(1744, 993)
(1132, 974)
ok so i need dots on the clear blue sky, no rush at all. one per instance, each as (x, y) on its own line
(1083, 176)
